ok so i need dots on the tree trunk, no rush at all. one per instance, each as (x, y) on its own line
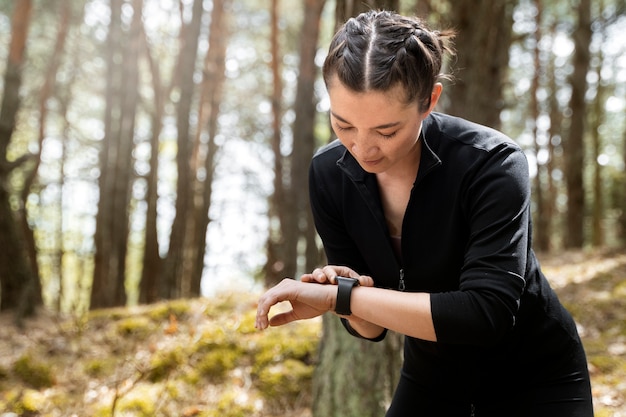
(574, 144)
(345, 9)
(622, 198)
(17, 280)
(554, 134)
(597, 120)
(151, 272)
(483, 41)
(274, 269)
(542, 231)
(355, 377)
(112, 226)
(211, 96)
(174, 265)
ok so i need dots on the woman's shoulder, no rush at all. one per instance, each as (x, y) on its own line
(462, 131)
(331, 149)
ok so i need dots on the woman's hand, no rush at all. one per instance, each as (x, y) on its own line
(327, 275)
(307, 301)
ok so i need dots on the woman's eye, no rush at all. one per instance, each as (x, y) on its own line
(387, 135)
(342, 128)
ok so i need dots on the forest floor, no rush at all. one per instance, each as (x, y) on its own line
(202, 357)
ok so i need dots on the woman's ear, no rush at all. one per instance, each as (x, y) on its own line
(434, 97)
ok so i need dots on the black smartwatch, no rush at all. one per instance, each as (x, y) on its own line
(344, 291)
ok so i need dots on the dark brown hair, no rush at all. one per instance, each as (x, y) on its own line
(378, 50)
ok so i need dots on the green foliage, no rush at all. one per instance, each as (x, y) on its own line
(24, 403)
(285, 381)
(163, 311)
(163, 363)
(97, 367)
(30, 371)
(229, 406)
(218, 362)
(286, 343)
(137, 326)
(139, 403)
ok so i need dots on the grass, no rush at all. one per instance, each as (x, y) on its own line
(203, 357)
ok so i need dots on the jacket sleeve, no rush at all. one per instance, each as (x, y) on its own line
(497, 208)
(328, 217)
(338, 246)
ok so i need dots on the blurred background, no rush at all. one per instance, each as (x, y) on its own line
(157, 150)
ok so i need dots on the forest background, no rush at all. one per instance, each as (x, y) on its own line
(158, 149)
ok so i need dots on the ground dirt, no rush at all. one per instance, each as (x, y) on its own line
(152, 361)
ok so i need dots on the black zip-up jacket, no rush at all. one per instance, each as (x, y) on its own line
(466, 240)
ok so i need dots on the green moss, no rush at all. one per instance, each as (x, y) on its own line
(24, 403)
(215, 364)
(138, 326)
(605, 363)
(246, 326)
(138, 403)
(176, 308)
(97, 367)
(298, 342)
(285, 381)
(603, 412)
(229, 406)
(163, 363)
(37, 375)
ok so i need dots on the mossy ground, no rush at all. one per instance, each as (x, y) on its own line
(203, 357)
(592, 285)
(199, 357)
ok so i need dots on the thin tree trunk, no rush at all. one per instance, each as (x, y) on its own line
(597, 120)
(112, 226)
(297, 199)
(17, 288)
(554, 134)
(212, 88)
(622, 200)
(152, 262)
(275, 266)
(31, 174)
(482, 59)
(174, 265)
(105, 263)
(574, 144)
(542, 232)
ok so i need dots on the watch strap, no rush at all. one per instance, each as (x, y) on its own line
(344, 292)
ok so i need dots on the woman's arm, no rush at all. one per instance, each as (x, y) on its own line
(373, 309)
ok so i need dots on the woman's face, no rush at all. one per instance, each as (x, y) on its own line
(378, 128)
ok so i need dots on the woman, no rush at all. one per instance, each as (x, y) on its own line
(425, 220)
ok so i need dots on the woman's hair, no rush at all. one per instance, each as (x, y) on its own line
(378, 50)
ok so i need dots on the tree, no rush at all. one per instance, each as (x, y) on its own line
(122, 96)
(275, 265)
(484, 31)
(151, 270)
(543, 179)
(574, 144)
(206, 150)
(18, 284)
(346, 361)
(174, 264)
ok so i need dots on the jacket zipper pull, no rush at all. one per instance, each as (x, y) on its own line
(401, 285)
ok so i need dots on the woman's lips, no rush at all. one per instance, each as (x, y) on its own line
(372, 162)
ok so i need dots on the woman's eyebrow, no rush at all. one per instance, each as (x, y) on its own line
(383, 126)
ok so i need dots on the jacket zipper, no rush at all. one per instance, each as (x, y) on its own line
(401, 285)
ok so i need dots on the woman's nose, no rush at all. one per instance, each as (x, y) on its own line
(364, 146)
